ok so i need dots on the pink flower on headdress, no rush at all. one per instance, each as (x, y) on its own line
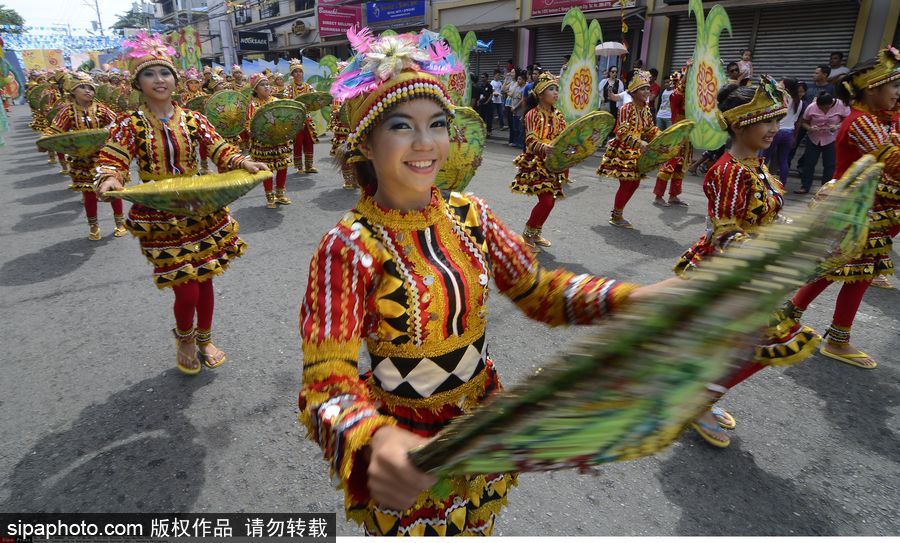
(148, 45)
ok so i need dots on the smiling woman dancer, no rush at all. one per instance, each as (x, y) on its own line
(872, 88)
(276, 157)
(186, 252)
(742, 197)
(83, 113)
(407, 272)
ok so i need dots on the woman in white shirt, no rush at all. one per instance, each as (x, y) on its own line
(664, 115)
(784, 139)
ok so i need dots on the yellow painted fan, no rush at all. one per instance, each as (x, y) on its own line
(467, 138)
(77, 143)
(194, 196)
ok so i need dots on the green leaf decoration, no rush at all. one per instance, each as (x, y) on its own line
(706, 76)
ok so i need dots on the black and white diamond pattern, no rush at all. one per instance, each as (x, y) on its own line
(425, 377)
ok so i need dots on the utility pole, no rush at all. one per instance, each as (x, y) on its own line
(96, 7)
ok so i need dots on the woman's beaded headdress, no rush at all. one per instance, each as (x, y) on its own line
(389, 70)
(768, 102)
(147, 50)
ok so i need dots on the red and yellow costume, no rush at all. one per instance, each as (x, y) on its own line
(303, 143)
(673, 170)
(414, 287)
(277, 157)
(865, 132)
(542, 125)
(340, 131)
(180, 249)
(633, 125)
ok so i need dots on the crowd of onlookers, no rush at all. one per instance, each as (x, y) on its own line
(814, 111)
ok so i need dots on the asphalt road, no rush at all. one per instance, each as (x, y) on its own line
(95, 417)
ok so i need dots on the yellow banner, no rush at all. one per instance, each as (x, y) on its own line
(42, 59)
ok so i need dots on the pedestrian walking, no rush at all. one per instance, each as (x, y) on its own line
(821, 120)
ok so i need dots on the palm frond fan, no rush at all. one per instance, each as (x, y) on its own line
(629, 389)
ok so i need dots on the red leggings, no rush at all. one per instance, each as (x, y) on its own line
(303, 143)
(541, 210)
(193, 297)
(90, 204)
(625, 192)
(848, 299)
(280, 180)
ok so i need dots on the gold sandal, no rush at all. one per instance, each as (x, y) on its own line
(184, 339)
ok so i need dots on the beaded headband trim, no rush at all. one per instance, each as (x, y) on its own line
(887, 70)
(768, 102)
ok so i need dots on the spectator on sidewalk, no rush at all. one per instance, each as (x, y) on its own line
(565, 64)
(733, 72)
(838, 70)
(822, 120)
(746, 65)
(609, 88)
(654, 90)
(664, 114)
(819, 84)
(517, 111)
(497, 97)
(784, 139)
(485, 107)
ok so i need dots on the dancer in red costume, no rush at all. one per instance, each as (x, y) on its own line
(744, 196)
(542, 124)
(305, 140)
(672, 172)
(186, 252)
(407, 272)
(83, 113)
(872, 89)
(634, 130)
(276, 157)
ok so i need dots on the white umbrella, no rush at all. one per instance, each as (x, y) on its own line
(610, 49)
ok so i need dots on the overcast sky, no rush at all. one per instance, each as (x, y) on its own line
(73, 12)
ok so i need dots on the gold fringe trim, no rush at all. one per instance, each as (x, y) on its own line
(465, 396)
(330, 349)
(799, 348)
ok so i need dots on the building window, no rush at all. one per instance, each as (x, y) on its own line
(167, 7)
(269, 8)
(242, 16)
(303, 5)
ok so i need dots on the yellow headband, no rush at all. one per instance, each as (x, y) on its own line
(768, 102)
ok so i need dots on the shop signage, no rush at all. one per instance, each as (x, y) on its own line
(253, 41)
(381, 15)
(544, 8)
(336, 19)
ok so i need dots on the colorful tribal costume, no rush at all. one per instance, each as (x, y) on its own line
(303, 143)
(864, 132)
(339, 131)
(73, 117)
(276, 157)
(193, 75)
(414, 287)
(634, 124)
(542, 124)
(186, 252)
(672, 172)
(742, 197)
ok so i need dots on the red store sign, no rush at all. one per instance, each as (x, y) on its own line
(335, 20)
(543, 8)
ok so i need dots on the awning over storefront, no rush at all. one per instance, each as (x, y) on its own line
(607, 15)
(727, 4)
(485, 26)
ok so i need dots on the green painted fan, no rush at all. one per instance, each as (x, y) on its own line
(77, 143)
(193, 196)
(467, 138)
(198, 103)
(227, 111)
(629, 389)
(33, 96)
(314, 101)
(579, 141)
(277, 122)
(665, 146)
